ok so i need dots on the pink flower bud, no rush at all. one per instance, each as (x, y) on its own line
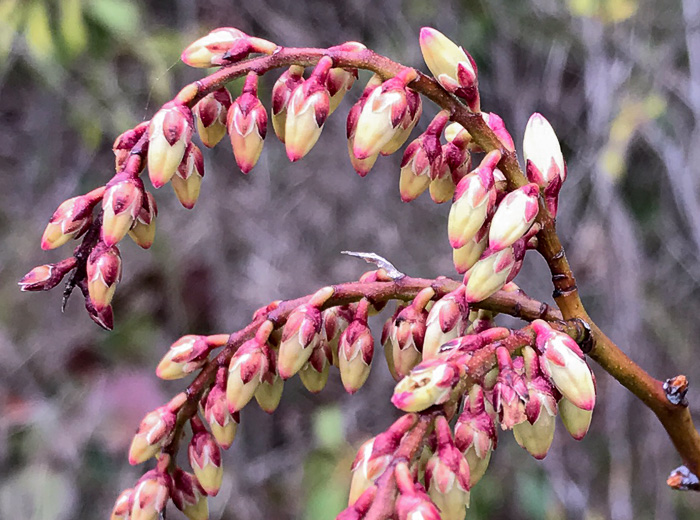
(150, 495)
(269, 393)
(429, 383)
(466, 256)
(496, 124)
(45, 277)
(210, 115)
(281, 93)
(70, 220)
(408, 332)
(510, 393)
(125, 142)
(187, 180)
(186, 355)
(246, 370)
(382, 114)
(542, 152)
(205, 459)
(360, 507)
(563, 362)
(169, 134)
(422, 160)
(307, 112)
(314, 374)
(189, 496)
(222, 423)
(446, 321)
(300, 336)
(154, 431)
(247, 125)
(122, 505)
(334, 321)
(514, 217)
(104, 270)
(413, 502)
(447, 475)
(475, 435)
(474, 198)
(121, 206)
(339, 81)
(575, 419)
(451, 65)
(362, 166)
(355, 351)
(492, 272)
(223, 46)
(144, 231)
(407, 124)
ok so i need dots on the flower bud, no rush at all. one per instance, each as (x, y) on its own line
(222, 423)
(361, 166)
(466, 256)
(245, 373)
(189, 496)
(544, 162)
(355, 351)
(281, 93)
(575, 419)
(307, 111)
(314, 374)
(247, 125)
(475, 434)
(413, 502)
(150, 496)
(563, 362)
(407, 124)
(121, 206)
(125, 142)
(334, 321)
(429, 383)
(451, 65)
(185, 356)
(339, 81)
(144, 231)
(496, 124)
(300, 336)
(514, 217)
(210, 116)
(510, 392)
(474, 198)
(205, 459)
(70, 220)
(422, 160)
(47, 276)
(169, 134)
(104, 270)
(154, 431)
(223, 46)
(382, 114)
(121, 508)
(447, 475)
(187, 180)
(269, 393)
(408, 332)
(446, 321)
(491, 273)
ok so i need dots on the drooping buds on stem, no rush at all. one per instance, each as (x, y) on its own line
(247, 367)
(382, 114)
(446, 321)
(475, 434)
(187, 180)
(154, 431)
(474, 199)
(222, 422)
(210, 116)
(543, 158)
(281, 93)
(121, 204)
(422, 159)
(104, 270)
(514, 216)
(447, 475)
(355, 350)
(169, 134)
(452, 66)
(375, 455)
(307, 111)
(563, 362)
(47, 276)
(205, 458)
(247, 125)
(71, 219)
(144, 231)
(224, 46)
(408, 331)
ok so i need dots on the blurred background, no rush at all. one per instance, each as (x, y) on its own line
(618, 79)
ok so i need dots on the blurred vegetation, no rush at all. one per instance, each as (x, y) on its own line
(619, 80)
